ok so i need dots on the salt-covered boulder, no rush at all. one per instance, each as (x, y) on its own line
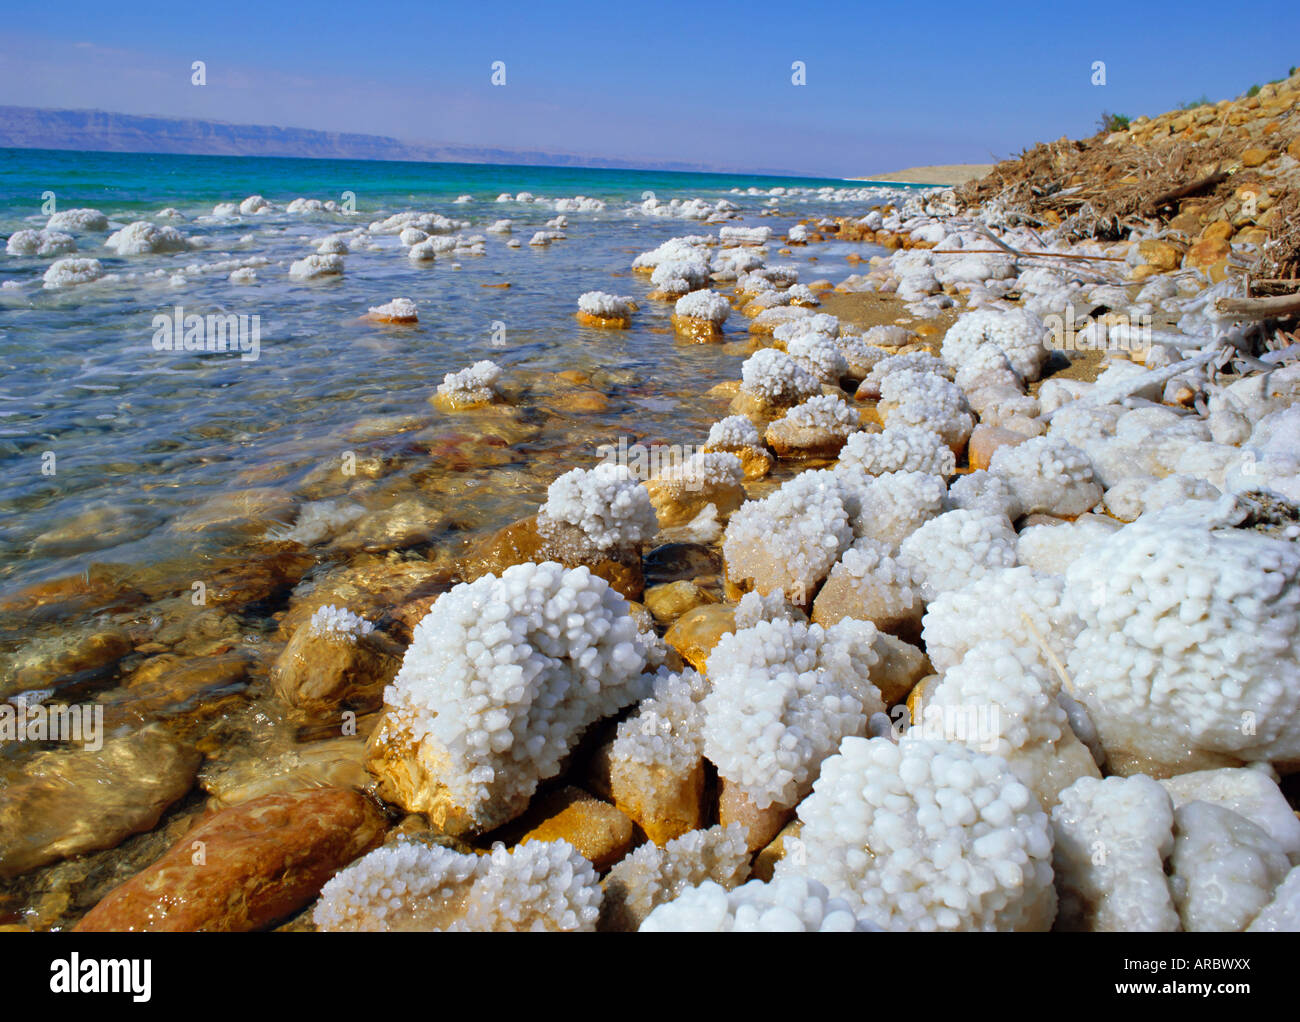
(899, 449)
(1017, 333)
(337, 659)
(603, 310)
(699, 316)
(65, 273)
(1048, 476)
(316, 267)
(817, 428)
(1113, 838)
(788, 541)
(77, 220)
(738, 435)
(40, 243)
(792, 904)
(417, 886)
(773, 381)
(473, 387)
(498, 684)
(1188, 653)
(921, 399)
(956, 548)
(870, 584)
(956, 841)
(680, 492)
(144, 238)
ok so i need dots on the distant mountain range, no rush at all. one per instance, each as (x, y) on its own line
(101, 131)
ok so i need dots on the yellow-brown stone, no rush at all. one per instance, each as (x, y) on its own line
(601, 834)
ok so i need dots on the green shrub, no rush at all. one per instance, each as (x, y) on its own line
(1112, 122)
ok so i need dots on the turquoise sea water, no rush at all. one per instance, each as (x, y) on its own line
(142, 441)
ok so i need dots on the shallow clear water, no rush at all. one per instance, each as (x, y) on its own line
(143, 441)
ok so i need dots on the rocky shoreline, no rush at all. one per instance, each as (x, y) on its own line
(988, 560)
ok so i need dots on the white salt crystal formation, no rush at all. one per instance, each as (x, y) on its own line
(40, 243)
(783, 695)
(602, 509)
(71, 272)
(899, 449)
(792, 904)
(870, 584)
(1112, 839)
(1017, 333)
(410, 886)
(653, 876)
(601, 305)
(316, 267)
(77, 220)
(924, 400)
(144, 238)
(339, 622)
(788, 541)
(708, 306)
(927, 836)
(471, 387)
(957, 547)
(1047, 476)
(776, 379)
(1191, 639)
(889, 507)
(499, 681)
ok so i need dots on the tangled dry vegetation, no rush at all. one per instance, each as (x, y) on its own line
(1235, 162)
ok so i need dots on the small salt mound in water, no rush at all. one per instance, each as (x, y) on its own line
(399, 310)
(70, 272)
(601, 309)
(254, 204)
(77, 220)
(332, 246)
(144, 238)
(501, 227)
(40, 243)
(700, 315)
(316, 266)
(470, 388)
(245, 275)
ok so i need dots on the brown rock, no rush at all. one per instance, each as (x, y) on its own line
(786, 843)
(677, 499)
(325, 671)
(1219, 229)
(600, 833)
(985, 441)
(761, 825)
(1207, 252)
(1255, 157)
(664, 805)
(521, 543)
(696, 632)
(246, 868)
(1161, 255)
(60, 804)
(670, 601)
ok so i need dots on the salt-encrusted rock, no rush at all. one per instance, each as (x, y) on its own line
(956, 548)
(782, 696)
(657, 760)
(1224, 868)
(1048, 476)
(416, 886)
(870, 584)
(77, 220)
(1189, 647)
(1130, 498)
(1282, 914)
(983, 491)
(600, 309)
(399, 310)
(1112, 839)
(143, 238)
(669, 601)
(789, 540)
(888, 336)
(820, 355)
(956, 841)
(739, 436)
(40, 243)
(1007, 603)
(1002, 699)
(70, 272)
(899, 668)
(316, 267)
(699, 315)
(1051, 549)
(470, 388)
(498, 684)
(604, 509)
(247, 867)
(1248, 792)
(775, 381)
(64, 803)
(597, 830)
(652, 876)
(899, 449)
(889, 507)
(922, 399)
(792, 904)
(680, 492)
(817, 428)
(336, 660)
(1017, 333)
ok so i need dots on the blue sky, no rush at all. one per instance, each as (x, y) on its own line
(887, 86)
